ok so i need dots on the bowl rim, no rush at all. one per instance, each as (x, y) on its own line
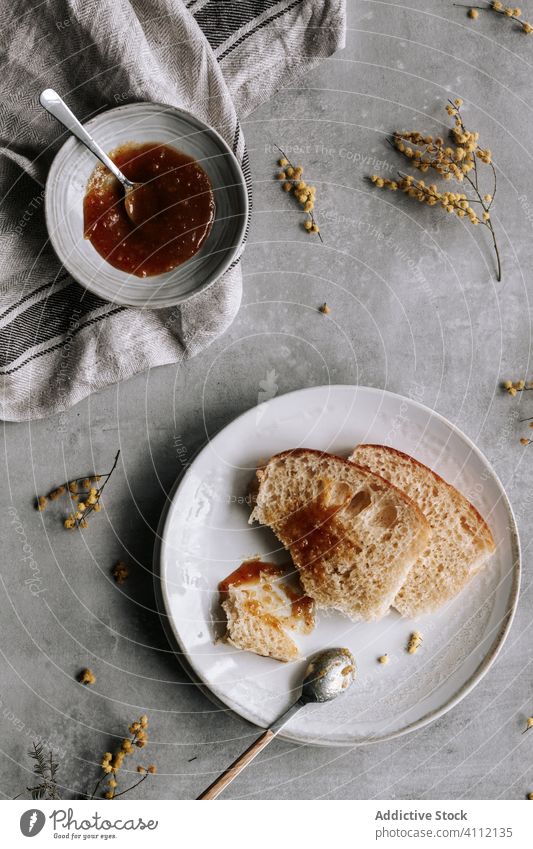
(77, 272)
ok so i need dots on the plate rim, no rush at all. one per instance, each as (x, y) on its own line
(479, 673)
(232, 256)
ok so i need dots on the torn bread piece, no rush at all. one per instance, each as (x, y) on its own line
(461, 542)
(262, 602)
(352, 535)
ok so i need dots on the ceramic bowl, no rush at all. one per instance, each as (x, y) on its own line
(66, 186)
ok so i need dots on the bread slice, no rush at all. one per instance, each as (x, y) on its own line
(461, 542)
(352, 535)
(262, 602)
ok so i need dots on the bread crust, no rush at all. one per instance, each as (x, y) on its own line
(302, 452)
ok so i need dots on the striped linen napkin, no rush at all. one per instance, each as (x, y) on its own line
(215, 58)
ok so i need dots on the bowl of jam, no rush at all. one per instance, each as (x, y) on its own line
(190, 212)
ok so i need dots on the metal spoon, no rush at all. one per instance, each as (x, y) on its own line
(56, 106)
(329, 673)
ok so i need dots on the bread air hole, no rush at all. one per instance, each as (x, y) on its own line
(334, 493)
(359, 502)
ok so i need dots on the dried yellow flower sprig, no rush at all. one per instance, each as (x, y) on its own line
(84, 497)
(513, 387)
(512, 13)
(112, 763)
(291, 181)
(450, 201)
(456, 161)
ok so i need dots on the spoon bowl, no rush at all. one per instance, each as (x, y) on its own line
(132, 195)
(329, 673)
(142, 203)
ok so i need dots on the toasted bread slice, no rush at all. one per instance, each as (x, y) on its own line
(461, 542)
(352, 535)
(262, 602)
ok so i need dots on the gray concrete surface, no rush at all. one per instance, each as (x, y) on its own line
(414, 299)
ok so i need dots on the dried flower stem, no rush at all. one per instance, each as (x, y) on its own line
(507, 11)
(92, 503)
(133, 786)
(122, 792)
(457, 161)
(480, 198)
(97, 785)
(421, 187)
(83, 501)
(112, 764)
(312, 219)
(105, 478)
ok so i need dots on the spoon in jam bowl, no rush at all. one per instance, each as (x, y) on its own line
(56, 106)
(328, 674)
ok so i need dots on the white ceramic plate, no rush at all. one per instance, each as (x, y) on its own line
(67, 183)
(206, 535)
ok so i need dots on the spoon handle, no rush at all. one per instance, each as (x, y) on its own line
(251, 752)
(56, 106)
(237, 766)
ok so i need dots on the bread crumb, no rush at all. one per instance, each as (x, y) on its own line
(325, 309)
(86, 677)
(383, 659)
(415, 641)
